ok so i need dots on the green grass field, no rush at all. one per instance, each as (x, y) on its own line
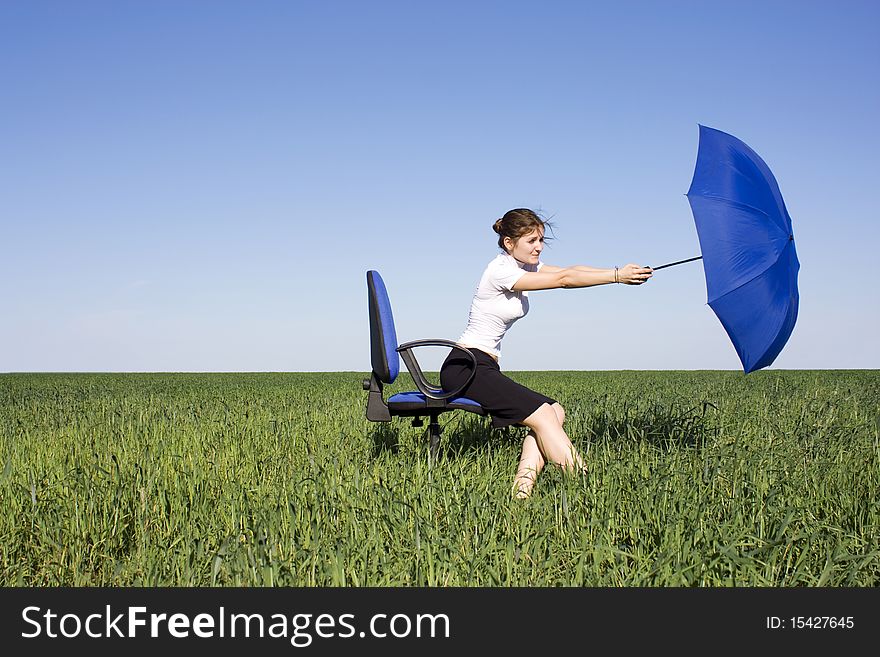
(696, 479)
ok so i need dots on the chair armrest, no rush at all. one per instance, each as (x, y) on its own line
(412, 364)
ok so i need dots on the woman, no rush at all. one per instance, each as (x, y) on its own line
(501, 299)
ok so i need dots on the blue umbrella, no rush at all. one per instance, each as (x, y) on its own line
(747, 244)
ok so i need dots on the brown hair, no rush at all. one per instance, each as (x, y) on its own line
(516, 223)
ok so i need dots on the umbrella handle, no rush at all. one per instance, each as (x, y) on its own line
(680, 262)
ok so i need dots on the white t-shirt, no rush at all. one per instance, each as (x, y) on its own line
(496, 306)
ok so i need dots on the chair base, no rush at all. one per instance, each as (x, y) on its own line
(417, 406)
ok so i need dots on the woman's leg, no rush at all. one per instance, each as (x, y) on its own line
(531, 462)
(532, 459)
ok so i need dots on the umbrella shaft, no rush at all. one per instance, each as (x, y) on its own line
(680, 262)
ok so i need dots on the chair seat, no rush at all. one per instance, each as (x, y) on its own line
(416, 401)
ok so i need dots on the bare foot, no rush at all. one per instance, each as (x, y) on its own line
(522, 487)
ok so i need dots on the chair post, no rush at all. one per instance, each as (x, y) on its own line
(434, 435)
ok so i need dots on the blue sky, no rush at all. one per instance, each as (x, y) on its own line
(201, 186)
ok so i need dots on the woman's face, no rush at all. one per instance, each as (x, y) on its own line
(527, 249)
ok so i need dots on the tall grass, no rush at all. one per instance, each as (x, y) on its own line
(696, 479)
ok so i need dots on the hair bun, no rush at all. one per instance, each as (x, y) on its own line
(497, 226)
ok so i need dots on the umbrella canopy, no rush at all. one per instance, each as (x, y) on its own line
(747, 247)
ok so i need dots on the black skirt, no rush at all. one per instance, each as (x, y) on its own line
(507, 401)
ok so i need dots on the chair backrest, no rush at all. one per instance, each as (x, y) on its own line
(383, 337)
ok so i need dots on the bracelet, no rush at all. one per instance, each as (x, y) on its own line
(616, 278)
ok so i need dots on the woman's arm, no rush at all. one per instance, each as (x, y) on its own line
(552, 268)
(550, 277)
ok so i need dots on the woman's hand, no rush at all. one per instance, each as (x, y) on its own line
(634, 274)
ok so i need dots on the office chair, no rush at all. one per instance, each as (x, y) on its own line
(429, 400)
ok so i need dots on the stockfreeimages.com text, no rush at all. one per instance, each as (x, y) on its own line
(301, 629)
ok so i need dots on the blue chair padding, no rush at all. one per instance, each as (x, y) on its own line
(383, 342)
(419, 398)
